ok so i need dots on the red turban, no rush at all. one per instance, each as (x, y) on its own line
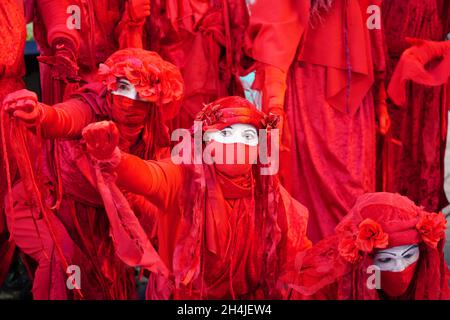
(155, 80)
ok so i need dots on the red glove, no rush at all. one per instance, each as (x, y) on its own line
(23, 105)
(138, 10)
(101, 139)
(415, 64)
(424, 51)
(273, 94)
(63, 62)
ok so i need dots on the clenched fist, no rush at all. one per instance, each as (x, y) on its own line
(23, 105)
(101, 139)
(138, 9)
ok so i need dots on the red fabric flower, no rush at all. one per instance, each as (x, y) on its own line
(348, 249)
(155, 80)
(365, 238)
(371, 236)
(432, 228)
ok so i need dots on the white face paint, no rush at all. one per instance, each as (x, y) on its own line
(126, 89)
(397, 259)
(235, 133)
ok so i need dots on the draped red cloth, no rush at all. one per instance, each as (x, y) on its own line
(329, 108)
(12, 39)
(205, 40)
(336, 268)
(413, 152)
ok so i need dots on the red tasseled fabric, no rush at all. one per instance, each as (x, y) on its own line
(326, 274)
(240, 244)
(413, 153)
(12, 39)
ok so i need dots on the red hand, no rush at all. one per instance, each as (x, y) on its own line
(23, 105)
(101, 139)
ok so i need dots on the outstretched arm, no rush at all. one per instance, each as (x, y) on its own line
(158, 181)
(63, 120)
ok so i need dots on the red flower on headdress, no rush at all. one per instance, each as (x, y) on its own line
(432, 228)
(155, 80)
(348, 250)
(371, 236)
(366, 238)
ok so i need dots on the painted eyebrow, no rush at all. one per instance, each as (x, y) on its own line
(412, 247)
(392, 254)
(250, 130)
(123, 82)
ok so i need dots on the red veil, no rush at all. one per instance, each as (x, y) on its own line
(337, 267)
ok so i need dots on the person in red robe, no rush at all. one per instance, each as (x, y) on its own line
(74, 37)
(413, 153)
(332, 65)
(12, 69)
(386, 248)
(204, 38)
(55, 214)
(225, 230)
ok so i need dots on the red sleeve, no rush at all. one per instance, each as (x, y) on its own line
(275, 31)
(65, 120)
(158, 181)
(54, 14)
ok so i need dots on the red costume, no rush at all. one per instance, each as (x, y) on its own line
(332, 61)
(224, 231)
(12, 40)
(71, 52)
(413, 155)
(336, 268)
(204, 38)
(57, 214)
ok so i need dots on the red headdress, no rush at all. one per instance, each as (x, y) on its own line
(378, 220)
(155, 80)
(231, 110)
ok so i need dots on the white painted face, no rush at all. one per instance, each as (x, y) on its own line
(397, 259)
(235, 133)
(126, 89)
